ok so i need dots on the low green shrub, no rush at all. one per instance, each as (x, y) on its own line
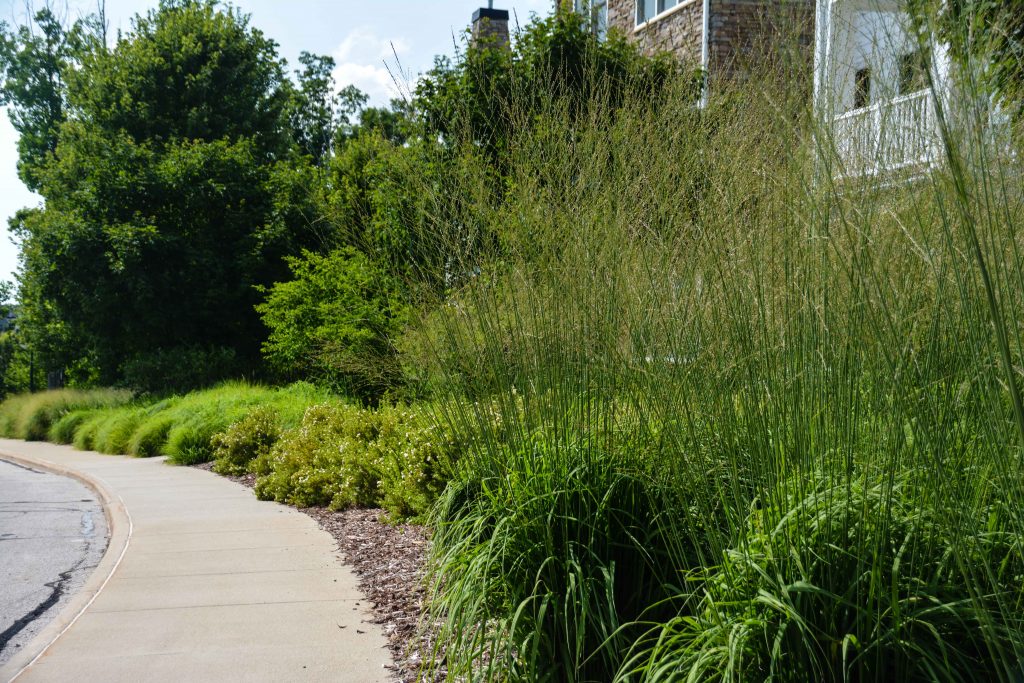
(415, 462)
(312, 465)
(343, 456)
(335, 320)
(249, 438)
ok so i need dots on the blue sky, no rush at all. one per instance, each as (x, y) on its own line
(372, 41)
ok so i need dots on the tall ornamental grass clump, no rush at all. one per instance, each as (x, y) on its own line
(31, 416)
(151, 433)
(810, 577)
(726, 417)
(197, 417)
(181, 427)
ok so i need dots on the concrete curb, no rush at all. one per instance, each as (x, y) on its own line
(119, 522)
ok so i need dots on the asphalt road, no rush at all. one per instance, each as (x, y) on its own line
(52, 535)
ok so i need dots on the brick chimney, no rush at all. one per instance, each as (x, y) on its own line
(490, 26)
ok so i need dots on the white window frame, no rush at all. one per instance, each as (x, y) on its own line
(596, 14)
(660, 14)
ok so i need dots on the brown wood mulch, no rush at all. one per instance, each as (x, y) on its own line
(389, 560)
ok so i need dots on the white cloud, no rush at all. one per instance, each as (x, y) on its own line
(363, 43)
(367, 61)
(375, 81)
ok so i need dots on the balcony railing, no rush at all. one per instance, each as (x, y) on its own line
(887, 136)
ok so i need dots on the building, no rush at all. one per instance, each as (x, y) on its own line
(877, 82)
(723, 37)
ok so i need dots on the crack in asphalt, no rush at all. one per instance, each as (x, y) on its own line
(24, 467)
(49, 514)
(56, 593)
(25, 511)
(44, 502)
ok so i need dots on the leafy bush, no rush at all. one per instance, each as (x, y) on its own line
(336, 319)
(249, 438)
(308, 466)
(415, 459)
(343, 456)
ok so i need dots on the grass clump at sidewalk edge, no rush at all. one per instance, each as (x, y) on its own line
(181, 427)
(31, 416)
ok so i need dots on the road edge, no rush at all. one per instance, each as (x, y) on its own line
(119, 524)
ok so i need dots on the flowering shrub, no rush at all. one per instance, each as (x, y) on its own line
(344, 456)
(252, 436)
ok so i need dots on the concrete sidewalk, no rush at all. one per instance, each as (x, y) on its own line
(200, 582)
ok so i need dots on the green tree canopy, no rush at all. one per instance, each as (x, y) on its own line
(335, 320)
(316, 112)
(34, 60)
(190, 70)
(490, 89)
(985, 38)
(163, 192)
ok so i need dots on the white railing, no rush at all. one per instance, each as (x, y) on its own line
(888, 135)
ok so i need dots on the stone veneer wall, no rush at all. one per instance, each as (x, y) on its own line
(742, 32)
(745, 33)
(679, 32)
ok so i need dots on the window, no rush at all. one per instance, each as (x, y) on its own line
(596, 13)
(648, 9)
(913, 73)
(862, 88)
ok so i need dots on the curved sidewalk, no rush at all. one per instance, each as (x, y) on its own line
(200, 582)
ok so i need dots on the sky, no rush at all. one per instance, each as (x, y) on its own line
(374, 43)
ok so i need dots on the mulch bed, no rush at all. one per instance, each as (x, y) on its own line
(390, 561)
